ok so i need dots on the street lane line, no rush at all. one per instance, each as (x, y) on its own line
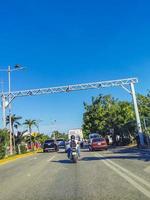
(126, 177)
(35, 158)
(28, 175)
(141, 180)
(51, 159)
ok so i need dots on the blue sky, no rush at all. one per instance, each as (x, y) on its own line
(66, 42)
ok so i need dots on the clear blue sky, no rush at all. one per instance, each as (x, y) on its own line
(65, 42)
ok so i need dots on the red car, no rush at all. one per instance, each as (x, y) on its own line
(98, 144)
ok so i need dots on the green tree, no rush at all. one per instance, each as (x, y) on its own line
(93, 117)
(14, 125)
(58, 135)
(105, 113)
(42, 137)
(144, 105)
(30, 123)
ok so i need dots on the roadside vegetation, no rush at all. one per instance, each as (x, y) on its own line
(4, 142)
(58, 135)
(109, 116)
(24, 141)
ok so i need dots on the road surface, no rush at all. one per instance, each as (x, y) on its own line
(118, 174)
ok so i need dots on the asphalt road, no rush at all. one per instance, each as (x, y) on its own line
(118, 174)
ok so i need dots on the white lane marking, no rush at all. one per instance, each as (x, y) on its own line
(141, 180)
(51, 159)
(125, 176)
(35, 158)
(28, 175)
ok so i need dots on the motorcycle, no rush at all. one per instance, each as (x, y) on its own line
(74, 155)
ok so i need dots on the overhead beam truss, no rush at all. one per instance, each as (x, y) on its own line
(71, 88)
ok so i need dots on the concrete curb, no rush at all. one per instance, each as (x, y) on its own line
(13, 158)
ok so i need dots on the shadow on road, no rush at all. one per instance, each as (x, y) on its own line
(89, 158)
(61, 152)
(125, 150)
(137, 156)
(62, 161)
(146, 159)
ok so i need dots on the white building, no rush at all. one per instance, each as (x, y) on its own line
(76, 132)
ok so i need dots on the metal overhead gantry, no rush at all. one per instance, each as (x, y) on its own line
(70, 88)
(7, 98)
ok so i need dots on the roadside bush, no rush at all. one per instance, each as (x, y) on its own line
(3, 142)
(23, 148)
(2, 151)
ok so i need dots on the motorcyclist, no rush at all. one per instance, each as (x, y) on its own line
(73, 143)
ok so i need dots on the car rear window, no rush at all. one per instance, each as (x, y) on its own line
(48, 141)
(59, 140)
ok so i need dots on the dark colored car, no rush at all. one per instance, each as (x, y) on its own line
(50, 145)
(61, 143)
(98, 144)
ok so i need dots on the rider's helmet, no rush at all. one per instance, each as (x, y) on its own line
(72, 137)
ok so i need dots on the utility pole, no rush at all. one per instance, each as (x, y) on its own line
(4, 111)
(9, 108)
(4, 106)
(139, 126)
(54, 129)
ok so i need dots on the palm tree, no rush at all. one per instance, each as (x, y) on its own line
(14, 124)
(30, 123)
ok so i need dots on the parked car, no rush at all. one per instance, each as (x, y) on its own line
(98, 144)
(50, 145)
(93, 136)
(61, 143)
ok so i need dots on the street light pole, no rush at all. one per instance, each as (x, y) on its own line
(4, 106)
(9, 99)
(54, 129)
(139, 126)
(4, 111)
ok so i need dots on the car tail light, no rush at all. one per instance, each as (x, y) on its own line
(103, 143)
(95, 143)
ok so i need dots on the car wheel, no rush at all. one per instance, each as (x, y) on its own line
(56, 149)
(90, 149)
